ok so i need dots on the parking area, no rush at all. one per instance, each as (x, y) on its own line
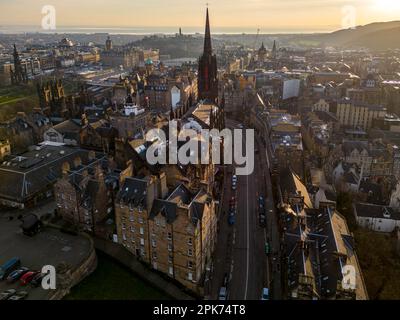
(49, 247)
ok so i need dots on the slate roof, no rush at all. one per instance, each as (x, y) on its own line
(134, 192)
(373, 191)
(368, 210)
(33, 171)
(320, 247)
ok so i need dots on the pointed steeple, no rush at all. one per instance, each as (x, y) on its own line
(16, 55)
(207, 37)
(208, 71)
(274, 50)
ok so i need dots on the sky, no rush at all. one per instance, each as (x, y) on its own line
(266, 15)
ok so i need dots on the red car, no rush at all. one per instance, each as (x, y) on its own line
(28, 277)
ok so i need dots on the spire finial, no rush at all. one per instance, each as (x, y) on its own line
(207, 37)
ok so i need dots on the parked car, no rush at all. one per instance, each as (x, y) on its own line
(267, 248)
(232, 202)
(226, 280)
(223, 294)
(21, 295)
(265, 294)
(231, 219)
(37, 280)
(261, 202)
(28, 277)
(7, 294)
(263, 221)
(17, 274)
(234, 186)
(9, 267)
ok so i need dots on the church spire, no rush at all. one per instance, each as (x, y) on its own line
(274, 50)
(207, 37)
(208, 71)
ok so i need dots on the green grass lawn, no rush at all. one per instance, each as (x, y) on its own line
(380, 263)
(10, 100)
(111, 281)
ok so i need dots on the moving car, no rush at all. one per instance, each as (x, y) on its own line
(7, 294)
(265, 294)
(17, 274)
(28, 277)
(9, 267)
(223, 294)
(21, 295)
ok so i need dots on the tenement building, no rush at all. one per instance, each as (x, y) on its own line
(318, 246)
(85, 193)
(358, 114)
(29, 177)
(174, 233)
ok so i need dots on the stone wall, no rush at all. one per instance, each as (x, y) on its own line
(67, 278)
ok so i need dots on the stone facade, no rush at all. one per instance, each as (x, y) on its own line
(174, 233)
(85, 194)
(5, 149)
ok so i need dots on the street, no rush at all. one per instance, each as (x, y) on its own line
(240, 255)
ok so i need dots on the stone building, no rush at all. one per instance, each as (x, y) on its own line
(131, 121)
(85, 193)
(29, 177)
(67, 132)
(174, 233)
(99, 136)
(128, 58)
(25, 130)
(358, 114)
(5, 149)
(318, 247)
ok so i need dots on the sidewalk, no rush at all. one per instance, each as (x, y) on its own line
(128, 260)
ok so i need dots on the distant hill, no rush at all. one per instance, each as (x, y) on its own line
(384, 39)
(379, 35)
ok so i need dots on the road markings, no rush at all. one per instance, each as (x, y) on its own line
(248, 242)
